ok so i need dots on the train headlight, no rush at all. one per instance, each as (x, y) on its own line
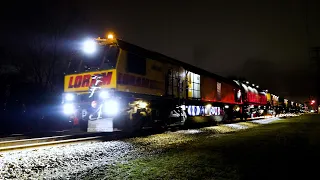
(89, 46)
(70, 97)
(142, 104)
(104, 94)
(111, 107)
(69, 109)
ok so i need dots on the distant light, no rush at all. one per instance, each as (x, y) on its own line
(247, 82)
(226, 106)
(257, 86)
(89, 46)
(252, 84)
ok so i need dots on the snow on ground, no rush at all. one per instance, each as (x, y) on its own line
(64, 162)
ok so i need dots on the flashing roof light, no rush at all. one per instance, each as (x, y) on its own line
(110, 36)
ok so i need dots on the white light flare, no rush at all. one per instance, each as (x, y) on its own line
(89, 46)
(68, 109)
(104, 94)
(70, 97)
(111, 107)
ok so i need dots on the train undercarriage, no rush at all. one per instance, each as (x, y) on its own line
(131, 112)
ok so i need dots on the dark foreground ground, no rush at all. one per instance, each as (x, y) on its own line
(284, 149)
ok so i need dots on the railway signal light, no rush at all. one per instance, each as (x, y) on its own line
(312, 102)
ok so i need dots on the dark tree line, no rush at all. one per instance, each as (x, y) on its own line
(32, 64)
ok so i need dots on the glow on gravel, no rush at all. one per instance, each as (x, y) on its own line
(236, 126)
(190, 131)
(265, 121)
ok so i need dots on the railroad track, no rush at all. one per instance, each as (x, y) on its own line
(54, 140)
(26, 135)
(63, 139)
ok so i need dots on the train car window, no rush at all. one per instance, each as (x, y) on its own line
(73, 65)
(194, 85)
(136, 64)
(111, 57)
(173, 79)
(93, 62)
(237, 95)
(218, 91)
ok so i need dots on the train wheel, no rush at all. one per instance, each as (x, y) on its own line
(83, 125)
(133, 125)
(176, 117)
(159, 126)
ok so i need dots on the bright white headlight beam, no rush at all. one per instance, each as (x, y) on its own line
(68, 109)
(89, 46)
(70, 97)
(104, 94)
(111, 107)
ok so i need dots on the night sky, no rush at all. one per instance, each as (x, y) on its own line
(264, 41)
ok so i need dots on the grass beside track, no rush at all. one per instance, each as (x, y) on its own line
(284, 149)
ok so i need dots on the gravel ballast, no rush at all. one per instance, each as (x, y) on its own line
(93, 159)
(64, 162)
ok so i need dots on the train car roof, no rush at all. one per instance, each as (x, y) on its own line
(160, 57)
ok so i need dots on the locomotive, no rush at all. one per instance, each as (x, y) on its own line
(120, 86)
